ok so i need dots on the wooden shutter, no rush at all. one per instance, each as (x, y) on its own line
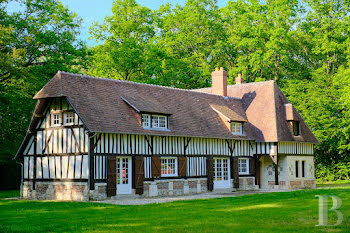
(182, 165)
(139, 174)
(252, 166)
(235, 172)
(210, 169)
(156, 167)
(111, 176)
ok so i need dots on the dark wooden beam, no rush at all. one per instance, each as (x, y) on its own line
(34, 162)
(92, 163)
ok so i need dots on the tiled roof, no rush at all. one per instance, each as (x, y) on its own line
(264, 105)
(98, 102)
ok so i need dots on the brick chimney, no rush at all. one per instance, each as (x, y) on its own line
(239, 79)
(219, 82)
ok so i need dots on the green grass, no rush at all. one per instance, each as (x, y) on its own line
(271, 212)
(9, 193)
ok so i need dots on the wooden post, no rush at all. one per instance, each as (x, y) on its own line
(92, 162)
(210, 169)
(34, 158)
(276, 172)
(139, 174)
(235, 173)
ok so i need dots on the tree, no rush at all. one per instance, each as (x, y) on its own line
(125, 36)
(36, 42)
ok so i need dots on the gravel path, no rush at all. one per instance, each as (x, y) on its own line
(145, 201)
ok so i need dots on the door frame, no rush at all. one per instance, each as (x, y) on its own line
(121, 188)
(223, 184)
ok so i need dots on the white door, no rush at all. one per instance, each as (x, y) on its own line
(221, 173)
(124, 175)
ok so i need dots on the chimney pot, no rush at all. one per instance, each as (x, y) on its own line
(217, 69)
(219, 82)
(239, 79)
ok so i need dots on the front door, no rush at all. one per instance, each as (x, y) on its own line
(124, 175)
(221, 173)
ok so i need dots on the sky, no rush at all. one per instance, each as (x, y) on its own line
(96, 10)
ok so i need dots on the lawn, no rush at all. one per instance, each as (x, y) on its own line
(271, 212)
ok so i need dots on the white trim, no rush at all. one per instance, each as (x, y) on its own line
(175, 166)
(65, 117)
(240, 129)
(247, 166)
(53, 119)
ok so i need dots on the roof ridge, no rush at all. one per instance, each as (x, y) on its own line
(253, 83)
(147, 84)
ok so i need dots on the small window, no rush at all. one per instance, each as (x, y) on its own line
(169, 167)
(296, 128)
(159, 122)
(146, 120)
(243, 166)
(302, 168)
(236, 128)
(56, 119)
(296, 169)
(69, 118)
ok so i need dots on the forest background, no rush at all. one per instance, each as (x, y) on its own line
(303, 45)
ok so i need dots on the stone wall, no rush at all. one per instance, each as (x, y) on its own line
(171, 187)
(44, 190)
(286, 173)
(247, 183)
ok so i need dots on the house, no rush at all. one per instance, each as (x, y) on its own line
(94, 138)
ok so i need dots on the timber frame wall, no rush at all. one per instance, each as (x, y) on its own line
(71, 153)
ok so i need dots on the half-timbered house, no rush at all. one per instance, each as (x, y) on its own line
(93, 138)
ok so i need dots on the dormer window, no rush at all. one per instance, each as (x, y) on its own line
(56, 119)
(150, 121)
(68, 118)
(237, 128)
(296, 128)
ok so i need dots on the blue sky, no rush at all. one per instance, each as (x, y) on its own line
(95, 10)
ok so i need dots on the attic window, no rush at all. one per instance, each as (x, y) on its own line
(296, 128)
(237, 128)
(56, 119)
(150, 121)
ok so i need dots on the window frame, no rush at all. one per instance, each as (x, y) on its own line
(53, 119)
(247, 166)
(65, 117)
(296, 130)
(167, 163)
(158, 116)
(150, 125)
(240, 129)
(148, 121)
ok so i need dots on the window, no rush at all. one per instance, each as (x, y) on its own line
(159, 122)
(56, 119)
(169, 167)
(146, 120)
(154, 121)
(296, 169)
(236, 128)
(296, 128)
(302, 168)
(69, 118)
(243, 166)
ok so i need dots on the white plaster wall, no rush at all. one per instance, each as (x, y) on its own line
(301, 182)
(267, 172)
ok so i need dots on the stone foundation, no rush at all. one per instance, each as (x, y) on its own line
(76, 191)
(171, 187)
(247, 183)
